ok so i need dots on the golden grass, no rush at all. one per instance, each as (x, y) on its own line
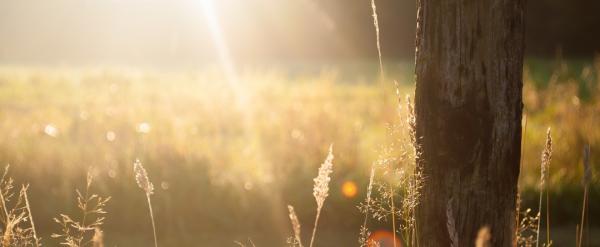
(185, 126)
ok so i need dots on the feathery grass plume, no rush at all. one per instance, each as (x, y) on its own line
(407, 186)
(545, 167)
(141, 177)
(586, 179)
(321, 188)
(15, 215)
(376, 24)
(415, 183)
(399, 180)
(483, 237)
(411, 121)
(363, 239)
(80, 232)
(546, 157)
(527, 229)
(296, 227)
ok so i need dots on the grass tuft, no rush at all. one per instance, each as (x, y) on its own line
(141, 177)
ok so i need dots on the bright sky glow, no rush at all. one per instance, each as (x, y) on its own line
(216, 33)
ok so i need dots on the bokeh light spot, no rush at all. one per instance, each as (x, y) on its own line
(248, 185)
(384, 239)
(349, 189)
(164, 185)
(143, 128)
(50, 130)
(110, 136)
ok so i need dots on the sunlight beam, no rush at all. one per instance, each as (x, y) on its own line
(224, 56)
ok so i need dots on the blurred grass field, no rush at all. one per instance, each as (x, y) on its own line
(226, 159)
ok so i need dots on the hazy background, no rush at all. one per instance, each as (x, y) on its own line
(227, 152)
(175, 33)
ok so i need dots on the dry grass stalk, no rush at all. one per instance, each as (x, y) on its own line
(6, 186)
(527, 229)
(545, 167)
(296, 227)
(376, 24)
(141, 177)
(586, 179)
(80, 232)
(412, 122)
(24, 193)
(363, 239)
(518, 200)
(587, 168)
(398, 180)
(415, 183)
(16, 231)
(393, 215)
(546, 158)
(321, 188)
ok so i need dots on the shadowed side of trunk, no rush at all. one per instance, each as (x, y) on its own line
(468, 102)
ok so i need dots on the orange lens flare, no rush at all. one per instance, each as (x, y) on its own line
(349, 189)
(384, 239)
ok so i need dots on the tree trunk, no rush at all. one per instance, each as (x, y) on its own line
(469, 65)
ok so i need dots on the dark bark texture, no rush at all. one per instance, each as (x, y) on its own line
(468, 103)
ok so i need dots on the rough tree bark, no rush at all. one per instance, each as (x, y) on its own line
(469, 65)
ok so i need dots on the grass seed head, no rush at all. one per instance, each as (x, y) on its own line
(587, 168)
(546, 157)
(321, 189)
(141, 177)
(295, 225)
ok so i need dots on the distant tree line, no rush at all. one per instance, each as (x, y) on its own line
(551, 25)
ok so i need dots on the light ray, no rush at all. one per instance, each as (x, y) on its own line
(220, 45)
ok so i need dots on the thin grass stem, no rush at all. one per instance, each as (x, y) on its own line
(585, 198)
(152, 219)
(312, 239)
(393, 215)
(35, 238)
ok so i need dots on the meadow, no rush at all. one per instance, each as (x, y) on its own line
(227, 158)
